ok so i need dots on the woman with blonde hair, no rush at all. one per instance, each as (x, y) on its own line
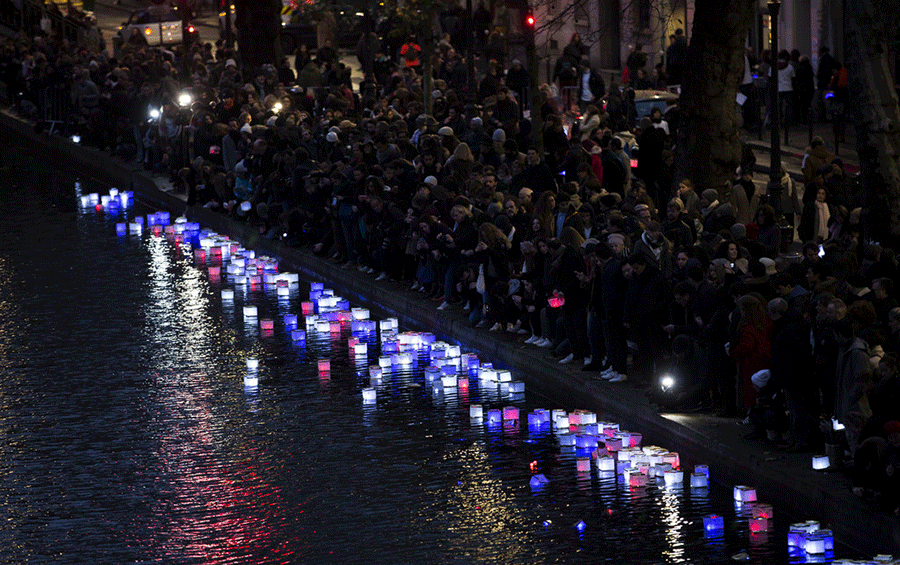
(459, 242)
(492, 256)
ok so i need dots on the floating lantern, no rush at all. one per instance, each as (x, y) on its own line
(384, 361)
(283, 291)
(249, 311)
(448, 381)
(567, 440)
(744, 493)
(252, 364)
(214, 272)
(580, 526)
(702, 469)
(476, 411)
(622, 467)
(828, 536)
(504, 376)
(323, 326)
(121, 229)
(324, 365)
(360, 313)
(820, 462)
(614, 444)
(699, 480)
(606, 463)
(510, 413)
(672, 459)
(488, 374)
(135, 227)
(267, 324)
(814, 543)
(361, 349)
(583, 465)
(368, 395)
(758, 525)
(298, 335)
(240, 280)
(227, 294)
(306, 308)
(636, 478)
(290, 321)
(673, 477)
(763, 511)
(538, 481)
(495, 416)
(251, 380)
(375, 371)
(713, 523)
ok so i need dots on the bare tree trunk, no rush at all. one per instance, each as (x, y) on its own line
(709, 147)
(877, 118)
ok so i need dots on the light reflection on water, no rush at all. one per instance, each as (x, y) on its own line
(128, 435)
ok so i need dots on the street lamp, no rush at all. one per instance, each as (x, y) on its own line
(775, 174)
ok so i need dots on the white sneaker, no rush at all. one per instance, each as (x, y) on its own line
(362, 268)
(381, 276)
(532, 339)
(370, 270)
(444, 306)
(415, 286)
(608, 374)
(567, 359)
(467, 307)
(587, 360)
(544, 342)
(496, 327)
(618, 378)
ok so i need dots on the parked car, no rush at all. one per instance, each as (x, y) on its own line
(160, 25)
(646, 100)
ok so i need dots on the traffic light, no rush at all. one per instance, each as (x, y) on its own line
(529, 22)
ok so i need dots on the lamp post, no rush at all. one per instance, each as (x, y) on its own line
(775, 174)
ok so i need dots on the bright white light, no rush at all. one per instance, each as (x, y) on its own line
(154, 113)
(185, 99)
(667, 382)
(277, 107)
(76, 138)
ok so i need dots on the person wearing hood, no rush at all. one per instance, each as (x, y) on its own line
(851, 379)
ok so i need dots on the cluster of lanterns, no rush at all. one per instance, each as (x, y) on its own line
(600, 445)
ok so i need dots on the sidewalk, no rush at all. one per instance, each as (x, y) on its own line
(786, 480)
(792, 152)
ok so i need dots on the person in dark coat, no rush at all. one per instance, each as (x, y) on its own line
(645, 315)
(791, 371)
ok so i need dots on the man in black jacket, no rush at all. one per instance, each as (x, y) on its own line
(591, 87)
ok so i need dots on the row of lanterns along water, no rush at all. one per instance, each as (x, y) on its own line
(597, 445)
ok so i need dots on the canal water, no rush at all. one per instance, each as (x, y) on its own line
(127, 434)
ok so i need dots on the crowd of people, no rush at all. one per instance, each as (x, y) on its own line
(629, 272)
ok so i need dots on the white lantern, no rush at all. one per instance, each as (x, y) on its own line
(516, 387)
(538, 481)
(567, 440)
(252, 364)
(820, 462)
(249, 311)
(744, 493)
(227, 294)
(699, 480)
(298, 335)
(606, 463)
(375, 371)
(251, 380)
(368, 395)
(476, 411)
(361, 348)
(674, 478)
(448, 381)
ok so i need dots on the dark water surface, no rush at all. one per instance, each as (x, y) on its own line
(127, 435)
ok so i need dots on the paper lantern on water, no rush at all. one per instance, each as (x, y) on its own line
(584, 441)
(135, 227)
(613, 443)
(214, 272)
(252, 364)
(813, 543)
(290, 321)
(368, 395)
(659, 470)
(580, 526)
(298, 335)
(567, 440)
(583, 465)
(622, 467)
(702, 469)
(476, 411)
(121, 229)
(510, 413)
(283, 291)
(757, 525)
(713, 523)
(361, 349)
(448, 381)
(250, 311)
(317, 286)
(744, 493)
(636, 478)
(227, 294)
(267, 324)
(462, 382)
(820, 462)
(251, 380)
(606, 463)
(240, 280)
(828, 536)
(504, 376)
(324, 365)
(672, 459)
(375, 371)
(763, 511)
(699, 480)
(323, 326)
(538, 481)
(306, 308)
(495, 416)
(674, 477)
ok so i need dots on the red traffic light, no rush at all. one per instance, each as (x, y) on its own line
(529, 21)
